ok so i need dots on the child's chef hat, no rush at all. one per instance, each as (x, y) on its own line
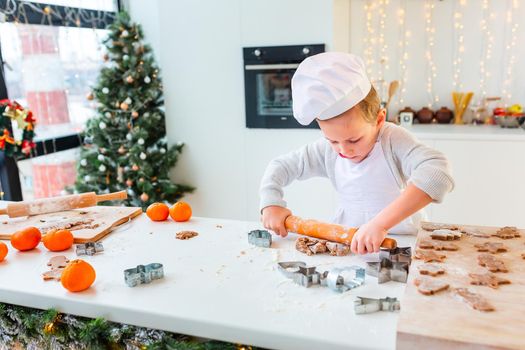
(328, 84)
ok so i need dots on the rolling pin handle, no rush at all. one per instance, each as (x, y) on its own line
(112, 196)
(3, 211)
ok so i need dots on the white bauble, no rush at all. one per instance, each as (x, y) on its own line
(102, 168)
(83, 162)
(147, 80)
(128, 100)
(162, 150)
(105, 90)
(87, 178)
(142, 155)
(140, 141)
(102, 125)
(129, 137)
(100, 157)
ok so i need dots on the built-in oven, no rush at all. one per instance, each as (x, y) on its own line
(268, 75)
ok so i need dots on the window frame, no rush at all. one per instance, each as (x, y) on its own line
(34, 13)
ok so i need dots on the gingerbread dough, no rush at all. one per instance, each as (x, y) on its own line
(429, 256)
(487, 279)
(428, 286)
(338, 249)
(491, 247)
(492, 263)
(476, 301)
(431, 270)
(186, 235)
(428, 244)
(431, 226)
(445, 235)
(507, 232)
(310, 246)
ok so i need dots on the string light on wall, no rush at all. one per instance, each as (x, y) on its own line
(403, 45)
(431, 67)
(369, 39)
(510, 49)
(460, 46)
(486, 48)
(383, 54)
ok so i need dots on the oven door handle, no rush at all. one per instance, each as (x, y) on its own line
(271, 66)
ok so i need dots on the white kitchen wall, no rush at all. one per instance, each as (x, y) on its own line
(199, 44)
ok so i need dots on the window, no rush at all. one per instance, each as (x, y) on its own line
(52, 52)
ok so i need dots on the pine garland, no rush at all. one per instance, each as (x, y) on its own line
(28, 328)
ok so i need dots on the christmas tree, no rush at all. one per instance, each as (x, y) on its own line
(125, 146)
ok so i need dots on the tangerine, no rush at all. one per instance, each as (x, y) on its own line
(58, 240)
(78, 276)
(26, 239)
(158, 211)
(180, 211)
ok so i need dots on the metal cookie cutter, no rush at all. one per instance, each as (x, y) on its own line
(343, 279)
(301, 274)
(143, 274)
(89, 248)
(386, 270)
(260, 238)
(369, 305)
(399, 254)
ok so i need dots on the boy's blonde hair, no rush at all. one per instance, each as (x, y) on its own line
(370, 106)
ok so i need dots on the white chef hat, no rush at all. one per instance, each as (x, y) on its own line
(328, 84)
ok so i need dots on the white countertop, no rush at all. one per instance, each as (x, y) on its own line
(216, 286)
(466, 132)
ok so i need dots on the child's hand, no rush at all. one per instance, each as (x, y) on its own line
(273, 219)
(368, 238)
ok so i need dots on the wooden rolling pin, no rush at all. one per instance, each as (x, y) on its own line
(56, 204)
(329, 232)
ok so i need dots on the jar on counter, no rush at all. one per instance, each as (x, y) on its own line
(444, 115)
(425, 115)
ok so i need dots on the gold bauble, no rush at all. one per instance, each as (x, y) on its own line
(122, 150)
(135, 167)
(144, 197)
(135, 114)
(129, 79)
(90, 96)
(129, 183)
(124, 106)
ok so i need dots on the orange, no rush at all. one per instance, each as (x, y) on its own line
(58, 240)
(158, 211)
(180, 211)
(26, 239)
(3, 251)
(78, 276)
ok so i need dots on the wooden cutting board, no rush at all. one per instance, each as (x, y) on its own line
(86, 224)
(444, 321)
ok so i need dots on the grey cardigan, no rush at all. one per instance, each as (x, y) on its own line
(408, 160)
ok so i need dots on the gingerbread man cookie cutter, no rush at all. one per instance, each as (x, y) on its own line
(89, 248)
(369, 305)
(301, 274)
(143, 274)
(260, 238)
(386, 270)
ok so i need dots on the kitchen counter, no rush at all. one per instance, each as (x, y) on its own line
(216, 286)
(467, 132)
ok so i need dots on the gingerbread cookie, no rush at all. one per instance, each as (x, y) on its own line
(338, 249)
(523, 255)
(476, 301)
(429, 255)
(57, 265)
(186, 235)
(431, 226)
(445, 235)
(492, 263)
(476, 233)
(431, 270)
(428, 286)
(487, 279)
(428, 244)
(507, 232)
(491, 247)
(52, 275)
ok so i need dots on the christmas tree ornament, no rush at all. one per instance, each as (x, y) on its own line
(117, 104)
(102, 150)
(128, 100)
(105, 90)
(146, 114)
(147, 80)
(140, 141)
(121, 150)
(135, 167)
(102, 168)
(87, 178)
(125, 57)
(144, 197)
(105, 57)
(143, 155)
(100, 157)
(141, 179)
(108, 115)
(124, 106)
(129, 137)
(90, 96)
(83, 162)
(124, 34)
(130, 79)
(162, 150)
(135, 114)
(131, 193)
(129, 183)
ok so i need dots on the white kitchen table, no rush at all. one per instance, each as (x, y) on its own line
(216, 286)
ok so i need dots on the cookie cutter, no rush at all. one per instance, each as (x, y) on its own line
(260, 238)
(386, 270)
(143, 274)
(399, 254)
(369, 305)
(301, 274)
(345, 278)
(89, 248)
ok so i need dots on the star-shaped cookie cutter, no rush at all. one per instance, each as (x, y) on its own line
(301, 274)
(143, 274)
(260, 238)
(89, 248)
(386, 270)
(369, 305)
(399, 254)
